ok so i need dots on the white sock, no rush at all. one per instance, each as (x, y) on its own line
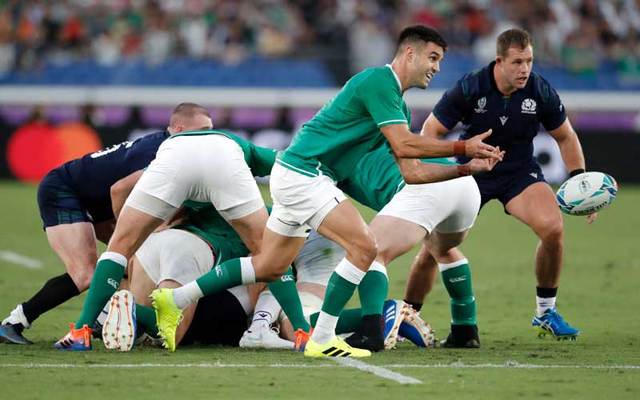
(17, 317)
(325, 328)
(350, 272)
(247, 271)
(267, 308)
(187, 294)
(543, 304)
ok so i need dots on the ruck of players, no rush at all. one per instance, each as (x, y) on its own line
(194, 255)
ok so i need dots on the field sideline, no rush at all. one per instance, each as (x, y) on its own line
(598, 294)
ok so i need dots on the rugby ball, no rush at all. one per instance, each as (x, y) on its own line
(586, 193)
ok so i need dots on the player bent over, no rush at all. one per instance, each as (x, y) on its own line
(438, 214)
(209, 166)
(76, 209)
(367, 113)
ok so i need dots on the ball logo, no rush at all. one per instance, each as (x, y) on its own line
(528, 106)
(584, 186)
(482, 103)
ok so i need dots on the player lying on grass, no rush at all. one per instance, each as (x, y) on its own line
(170, 258)
(76, 209)
(512, 100)
(437, 214)
(367, 113)
(209, 166)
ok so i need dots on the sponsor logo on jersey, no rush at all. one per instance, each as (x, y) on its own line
(528, 106)
(503, 120)
(534, 175)
(482, 103)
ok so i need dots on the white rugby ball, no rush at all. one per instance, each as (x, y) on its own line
(586, 193)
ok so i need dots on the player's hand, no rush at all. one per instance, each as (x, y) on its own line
(592, 217)
(476, 148)
(477, 165)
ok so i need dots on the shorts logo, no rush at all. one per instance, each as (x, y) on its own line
(482, 103)
(112, 282)
(528, 106)
(534, 175)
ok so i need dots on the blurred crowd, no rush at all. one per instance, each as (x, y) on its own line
(348, 34)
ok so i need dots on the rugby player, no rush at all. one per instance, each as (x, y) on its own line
(509, 98)
(210, 166)
(76, 209)
(367, 112)
(439, 212)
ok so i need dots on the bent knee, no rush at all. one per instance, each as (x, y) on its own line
(363, 251)
(82, 278)
(551, 231)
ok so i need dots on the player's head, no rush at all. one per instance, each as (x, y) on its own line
(189, 117)
(514, 57)
(420, 50)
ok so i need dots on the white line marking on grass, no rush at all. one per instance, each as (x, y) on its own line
(377, 370)
(455, 365)
(19, 259)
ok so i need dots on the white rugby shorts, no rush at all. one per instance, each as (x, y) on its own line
(317, 259)
(175, 254)
(300, 202)
(447, 207)
(207, 168)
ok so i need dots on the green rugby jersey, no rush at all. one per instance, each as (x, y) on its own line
(204, 221)
(259, 159)
(348, 126)
(377, 178)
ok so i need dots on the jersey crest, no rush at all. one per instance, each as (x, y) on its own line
(528, 106)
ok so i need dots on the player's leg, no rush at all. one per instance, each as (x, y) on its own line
(71, 236)
(545, 220)
(422, 276)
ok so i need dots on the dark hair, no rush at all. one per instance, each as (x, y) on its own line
(512, 38)
(190, 110)
(421, 33)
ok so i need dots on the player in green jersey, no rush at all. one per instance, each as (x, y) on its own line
(206, 166)
(438, 212)
(366, 113)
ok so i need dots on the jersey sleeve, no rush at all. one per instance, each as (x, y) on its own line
(552, 113)
(452, 107)
(382, 100)
(262, 160)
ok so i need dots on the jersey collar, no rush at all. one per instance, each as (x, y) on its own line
(395, 76)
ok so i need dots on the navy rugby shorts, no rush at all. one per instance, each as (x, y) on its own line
(57, 202)
(505, 186)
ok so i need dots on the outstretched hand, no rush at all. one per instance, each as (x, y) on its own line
(476, 148)
(477, 165)
(591, 218)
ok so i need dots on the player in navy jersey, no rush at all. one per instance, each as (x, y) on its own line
(507, 97)
(75, 207)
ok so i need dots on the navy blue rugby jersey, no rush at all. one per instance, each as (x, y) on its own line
(476, 102)
(92, 175)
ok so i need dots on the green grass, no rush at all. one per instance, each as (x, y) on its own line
(598, 294)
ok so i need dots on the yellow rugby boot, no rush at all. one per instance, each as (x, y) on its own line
(336, 347)
(168, 316)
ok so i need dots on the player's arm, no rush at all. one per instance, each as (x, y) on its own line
(407, 145)
(570, 147)
(416, 172)
(432, 127)
(121, 189)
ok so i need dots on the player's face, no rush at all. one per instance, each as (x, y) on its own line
(516, 66)
(426, 63)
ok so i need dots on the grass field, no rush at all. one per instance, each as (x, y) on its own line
(599, 294)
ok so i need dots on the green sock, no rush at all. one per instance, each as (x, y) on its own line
(106, 280)
(339, 291)
(284, 290)
(457, 280)
(373, 291)
(224, 276)
(348, 321)
(146, 318)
